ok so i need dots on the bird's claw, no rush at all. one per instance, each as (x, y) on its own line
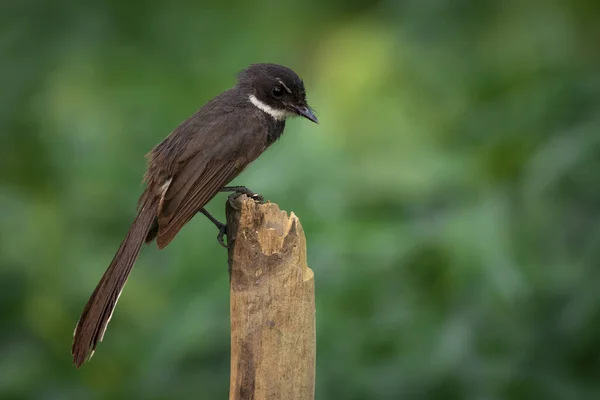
(258, 198)
(254, 196)
(222, 232)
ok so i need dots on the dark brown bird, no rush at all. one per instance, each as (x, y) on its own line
(188, 168)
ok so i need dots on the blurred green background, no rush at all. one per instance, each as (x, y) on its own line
(450, 195)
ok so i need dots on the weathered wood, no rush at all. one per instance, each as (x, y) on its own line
(273, 344)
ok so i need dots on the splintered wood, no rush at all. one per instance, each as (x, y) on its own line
(272, 298)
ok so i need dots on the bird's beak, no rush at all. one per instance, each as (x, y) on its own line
(306, 112)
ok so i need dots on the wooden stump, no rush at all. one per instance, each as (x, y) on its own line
(273, 345)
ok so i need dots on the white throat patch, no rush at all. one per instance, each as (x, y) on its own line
(279, 115)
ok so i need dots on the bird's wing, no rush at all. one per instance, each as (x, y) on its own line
(198, 182)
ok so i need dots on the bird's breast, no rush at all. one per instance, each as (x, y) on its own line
(274, 131)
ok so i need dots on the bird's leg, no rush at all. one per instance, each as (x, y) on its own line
(221, 226)
(239, 190)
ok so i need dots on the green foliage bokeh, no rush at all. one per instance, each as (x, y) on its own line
(450, 194)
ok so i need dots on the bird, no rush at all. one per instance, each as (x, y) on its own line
(187, 169)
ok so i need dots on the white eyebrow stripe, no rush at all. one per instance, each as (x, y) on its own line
(283, 84)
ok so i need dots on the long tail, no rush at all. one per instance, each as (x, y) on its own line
(99, 308)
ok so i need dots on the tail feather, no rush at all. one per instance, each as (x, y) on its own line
(99, 308)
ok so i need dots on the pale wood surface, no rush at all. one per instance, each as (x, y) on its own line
(273, 346)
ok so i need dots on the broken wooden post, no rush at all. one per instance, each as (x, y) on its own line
(273, 344)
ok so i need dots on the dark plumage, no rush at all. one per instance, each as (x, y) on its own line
(188, 168)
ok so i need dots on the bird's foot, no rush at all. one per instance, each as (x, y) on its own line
(240, 190)
(220, 226)
(222, 232)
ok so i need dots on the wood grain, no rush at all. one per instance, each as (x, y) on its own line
(273, 344)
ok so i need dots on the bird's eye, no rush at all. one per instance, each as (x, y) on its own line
(277, 92)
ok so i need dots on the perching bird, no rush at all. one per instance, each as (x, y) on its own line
(188, 168)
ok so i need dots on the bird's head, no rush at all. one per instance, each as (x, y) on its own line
(276, 90)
